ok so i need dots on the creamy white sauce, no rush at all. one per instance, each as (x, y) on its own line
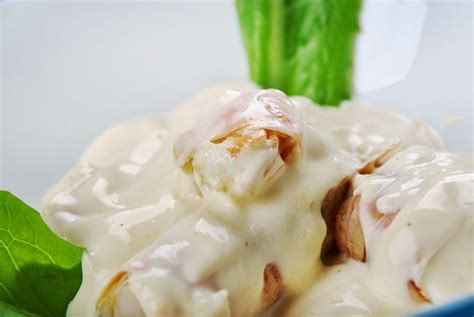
(430, 193)
(426, 199)
(193, 219)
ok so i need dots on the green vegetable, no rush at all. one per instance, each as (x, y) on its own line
(39, 272)
(303, 47)
(10, 311)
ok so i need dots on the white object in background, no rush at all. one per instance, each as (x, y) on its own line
(387, 46)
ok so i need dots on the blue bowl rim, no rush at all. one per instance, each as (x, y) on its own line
(462, 307)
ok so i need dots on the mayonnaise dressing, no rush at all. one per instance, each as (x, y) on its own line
(416, 215)
(425, 200)
(187, 224)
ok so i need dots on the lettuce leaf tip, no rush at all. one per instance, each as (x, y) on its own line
(39, 272)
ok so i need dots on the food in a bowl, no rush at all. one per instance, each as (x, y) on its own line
(248, 202)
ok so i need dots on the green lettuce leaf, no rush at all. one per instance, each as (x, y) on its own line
(10, 311)
(39, 272)
(303, 47)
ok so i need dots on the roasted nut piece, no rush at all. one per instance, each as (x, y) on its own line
(379, 160)
(329, 208)
(348, 231)
(108, 298)
(417, 293)
(370, 166)
(172, 297)
(115, 299)
(349, 235)
(272, 286)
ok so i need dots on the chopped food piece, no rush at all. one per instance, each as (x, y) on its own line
(417, 293)
(349, 235)
(330, 207)
(272, 286)
(245, 147)
(378, 160)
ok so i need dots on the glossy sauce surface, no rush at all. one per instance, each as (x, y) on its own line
(416, 213)
(189, 209)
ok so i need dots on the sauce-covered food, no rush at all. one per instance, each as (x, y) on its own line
(248, 202)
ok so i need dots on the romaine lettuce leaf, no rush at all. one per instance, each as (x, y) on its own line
(303, 47)
(39, 272)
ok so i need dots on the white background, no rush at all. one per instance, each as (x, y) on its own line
(72, 69)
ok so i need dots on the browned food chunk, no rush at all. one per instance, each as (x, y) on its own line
(272, 286)
(379, 160)
(417, 293)
(348, 233)
(330, 207)
(108, 297)
(245, 146)
(115, 294)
